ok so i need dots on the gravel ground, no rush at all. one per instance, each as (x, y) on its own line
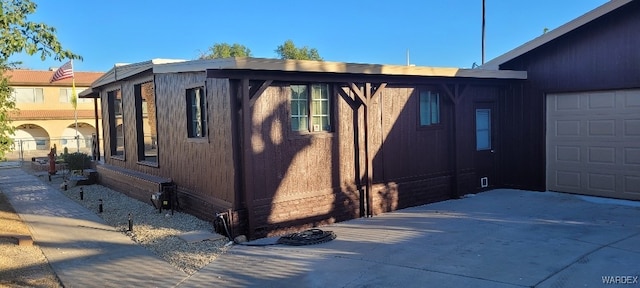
(156, 232)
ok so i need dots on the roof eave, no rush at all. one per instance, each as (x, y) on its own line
(122, 71)
(89, 93)
(596, 13)
(280, 65)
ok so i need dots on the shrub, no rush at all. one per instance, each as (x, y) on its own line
(77, 160)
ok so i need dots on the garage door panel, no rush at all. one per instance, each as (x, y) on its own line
(569, 102)
(631, 99)
(568, 179)
(593, 143)
(631, 127)
(598, 128)
(631, 156)
(601, 182)
(631, 184)
(602, 100)
(568, 154)
(566, 128)
(602, 155)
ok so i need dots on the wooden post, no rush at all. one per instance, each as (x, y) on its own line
(95, 111)
(247, 153)
(455, 97)
(367, 148)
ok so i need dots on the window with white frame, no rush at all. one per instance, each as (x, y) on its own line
(483, 129)
(310, 108)
(66, 95)
(196, 112)
(28, 95)
(429, 108)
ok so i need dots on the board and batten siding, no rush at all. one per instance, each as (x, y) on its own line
(314, 179)
(296, 178)
(203, 169)
(412, 164)
(601, 55)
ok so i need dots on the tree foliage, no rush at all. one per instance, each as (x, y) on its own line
(224, 50)
(7, 105)
(17, 35)
(288, 50)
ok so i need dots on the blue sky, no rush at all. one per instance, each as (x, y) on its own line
(437, 33)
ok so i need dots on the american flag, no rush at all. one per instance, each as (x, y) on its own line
(64, 72)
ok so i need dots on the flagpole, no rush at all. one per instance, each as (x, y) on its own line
(74, 102)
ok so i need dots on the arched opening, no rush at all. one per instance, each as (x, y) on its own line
(83, 142)
(31, 137)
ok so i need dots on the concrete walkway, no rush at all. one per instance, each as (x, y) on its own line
(501, 238)
(82, 250)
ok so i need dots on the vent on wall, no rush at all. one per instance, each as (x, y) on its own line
(484, 182)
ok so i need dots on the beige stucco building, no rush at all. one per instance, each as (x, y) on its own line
(46, 117)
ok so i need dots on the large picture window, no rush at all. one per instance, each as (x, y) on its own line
(196, 113)
(28, 95)
(116, 123)
(146, 124)
(310, 108)
(429, 108)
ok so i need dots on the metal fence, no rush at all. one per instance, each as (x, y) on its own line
(26, 149)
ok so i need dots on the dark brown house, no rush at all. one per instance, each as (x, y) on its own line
(282, 144)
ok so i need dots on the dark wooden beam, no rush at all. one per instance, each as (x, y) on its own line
(457, 93)
(352, 103)
(448, 92)
(368, 150)
(358, 92)
(95, 112)
(247, 153)
(379, 89)
(257, 90)
(456, 97)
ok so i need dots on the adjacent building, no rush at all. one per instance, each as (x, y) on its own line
(46, 117)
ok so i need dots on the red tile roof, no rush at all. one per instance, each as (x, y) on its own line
(51, 114)
(41, 78)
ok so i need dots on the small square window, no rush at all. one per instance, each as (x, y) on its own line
(196, 113)
(429, 108)
(310, 108)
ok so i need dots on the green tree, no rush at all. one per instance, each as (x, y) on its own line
(17, 35)
(224, 50)
(288, 50)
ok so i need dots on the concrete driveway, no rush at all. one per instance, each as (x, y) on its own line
(500, 238)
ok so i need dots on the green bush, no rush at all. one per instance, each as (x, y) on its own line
(77, 160)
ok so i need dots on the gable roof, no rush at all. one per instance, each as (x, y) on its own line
(22, 77)
(122, 71)
(556, 33)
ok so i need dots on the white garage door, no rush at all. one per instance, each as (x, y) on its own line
(593, 143)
